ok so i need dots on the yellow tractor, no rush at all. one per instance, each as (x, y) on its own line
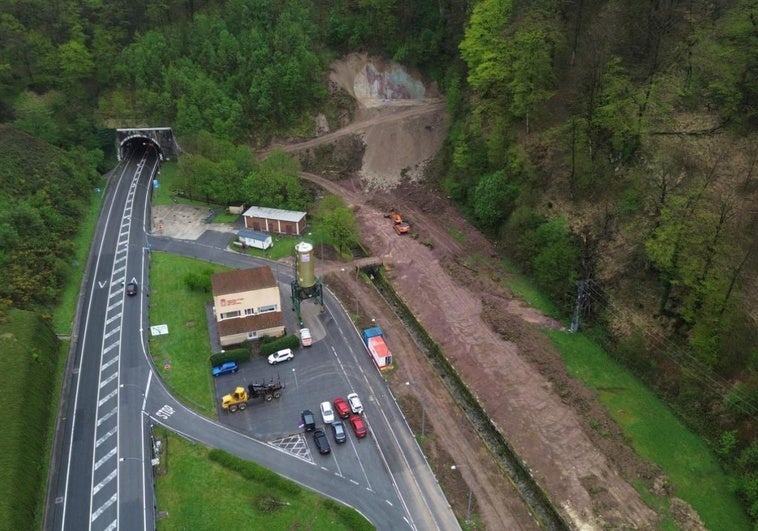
(240, 397)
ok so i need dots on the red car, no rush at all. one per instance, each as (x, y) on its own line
(341, 408)
(359, 427)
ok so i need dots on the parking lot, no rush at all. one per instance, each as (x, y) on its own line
(335, 365)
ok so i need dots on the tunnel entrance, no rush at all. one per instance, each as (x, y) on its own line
(159, 138)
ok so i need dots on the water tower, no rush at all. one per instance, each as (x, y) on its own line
(306, 285)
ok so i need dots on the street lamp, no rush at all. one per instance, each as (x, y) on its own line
(468, 511)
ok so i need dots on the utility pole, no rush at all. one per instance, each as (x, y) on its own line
(580, 298)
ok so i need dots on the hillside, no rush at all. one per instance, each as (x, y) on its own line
(27, 387)
(43, 195)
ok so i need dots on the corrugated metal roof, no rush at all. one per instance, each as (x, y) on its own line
(253, 235)
(242, 280)
(274, 213)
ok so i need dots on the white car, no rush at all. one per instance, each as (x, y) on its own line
(355, 403)
(305, 337)
(281, 355)
(327, 413)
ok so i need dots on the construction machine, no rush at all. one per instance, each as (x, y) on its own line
(399, 224)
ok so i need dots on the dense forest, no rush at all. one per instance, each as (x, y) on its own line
(611, 147)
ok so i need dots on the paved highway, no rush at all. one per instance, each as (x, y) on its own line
(103, 477)
(102, 480)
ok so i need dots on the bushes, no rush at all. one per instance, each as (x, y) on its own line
(238, 354)
(290, 341)
(267, 346)
(252, 472)
(199, 281)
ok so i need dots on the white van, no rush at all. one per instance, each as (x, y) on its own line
(305, 337)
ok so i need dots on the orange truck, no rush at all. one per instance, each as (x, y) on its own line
(400, 226)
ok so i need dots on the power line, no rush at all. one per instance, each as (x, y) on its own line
(687, 363)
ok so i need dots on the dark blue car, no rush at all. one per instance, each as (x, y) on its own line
(228, 367)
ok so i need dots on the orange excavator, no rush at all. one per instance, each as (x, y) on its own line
(400, 226)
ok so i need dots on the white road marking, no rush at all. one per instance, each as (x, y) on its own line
(110, 347)
(107, 397)
(108, 379)
(111, 362)
(104, 482)
(103, 459)
(102, 439)
(107, 416)
(103, 507)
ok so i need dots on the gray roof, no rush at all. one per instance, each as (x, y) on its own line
(274, 213)
(253, 235)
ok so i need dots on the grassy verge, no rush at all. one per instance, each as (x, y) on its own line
(237, 494)
(27, 410)
(63, 315)
(655, 432)
(181, 356)
(522, 288)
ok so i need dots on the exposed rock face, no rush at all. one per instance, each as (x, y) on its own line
(397, 150)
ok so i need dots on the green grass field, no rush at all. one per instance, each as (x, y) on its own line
(181, 357)
(655, 432)
(210, 490)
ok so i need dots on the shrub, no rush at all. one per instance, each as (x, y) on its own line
(199, 281)
(238, 354)
(253, 472)
(290, 341)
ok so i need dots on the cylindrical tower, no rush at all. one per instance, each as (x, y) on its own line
(305, 265)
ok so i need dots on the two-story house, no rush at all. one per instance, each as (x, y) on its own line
(247, 305)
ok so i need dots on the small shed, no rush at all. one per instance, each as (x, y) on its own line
(275, 220)
(253, 238)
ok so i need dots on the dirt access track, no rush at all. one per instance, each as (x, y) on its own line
(448, 275)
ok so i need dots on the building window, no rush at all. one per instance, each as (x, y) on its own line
(252, 335)
(249, 311)
(264, 309)
(230, 315)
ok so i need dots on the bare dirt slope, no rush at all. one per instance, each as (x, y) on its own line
(449, 278)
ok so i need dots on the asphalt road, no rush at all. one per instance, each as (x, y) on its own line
(102, 480)
(103, 473)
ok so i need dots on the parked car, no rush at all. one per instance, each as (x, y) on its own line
(338, 430)
(228, 367)
(305, 337)
(309, 421)
(327, 413)
(355, 403)
(341, 407)
(322, 443)
(359, 427)
(131, 288)
(280, 355)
